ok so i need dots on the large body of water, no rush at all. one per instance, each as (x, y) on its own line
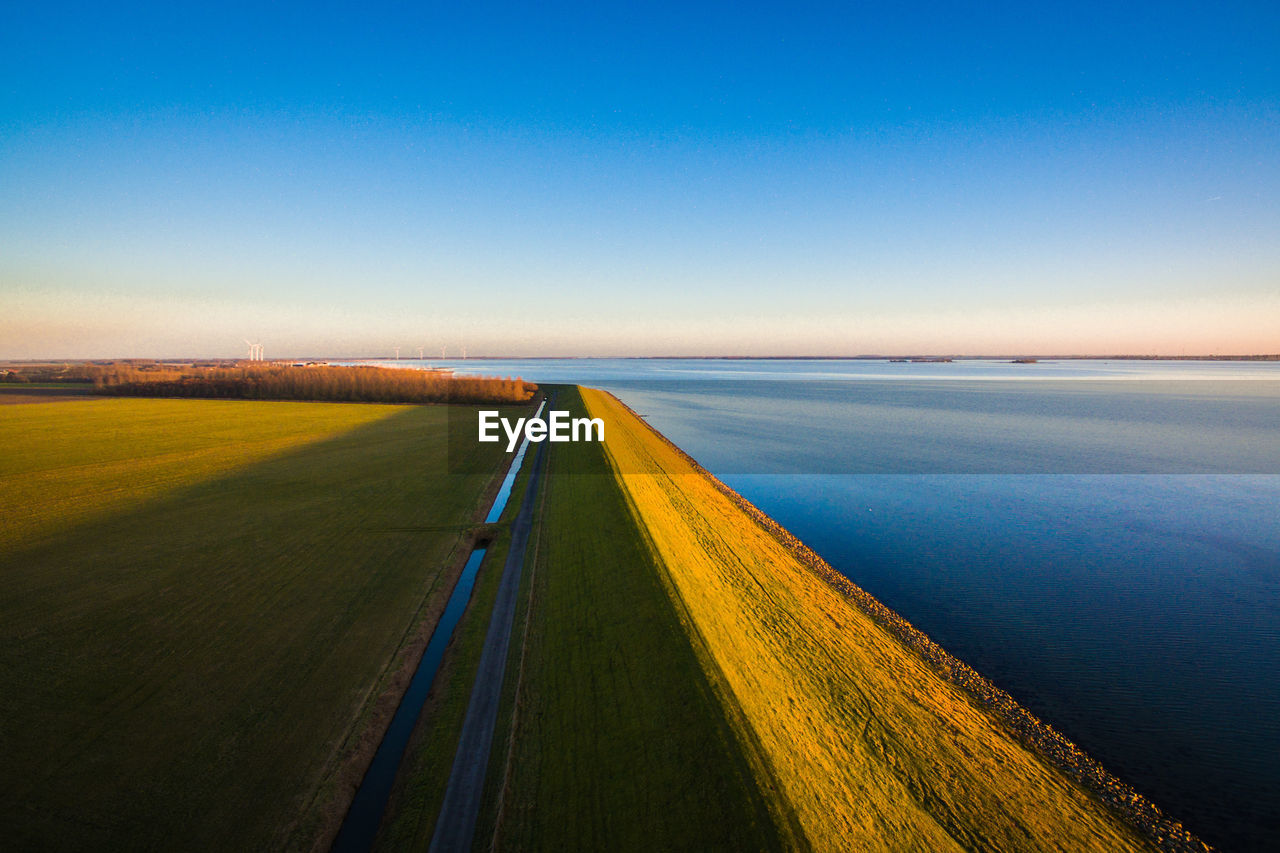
(1101, 539)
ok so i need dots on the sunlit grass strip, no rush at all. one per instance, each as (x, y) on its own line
(871, 747)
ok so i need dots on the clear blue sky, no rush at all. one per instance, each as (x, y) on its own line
(639, 179)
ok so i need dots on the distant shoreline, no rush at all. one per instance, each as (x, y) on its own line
(918, 357)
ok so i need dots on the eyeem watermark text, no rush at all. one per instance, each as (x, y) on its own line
(558, 426)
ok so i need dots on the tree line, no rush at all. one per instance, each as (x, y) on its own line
(310, 382)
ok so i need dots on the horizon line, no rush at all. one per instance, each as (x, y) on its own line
(860, 357)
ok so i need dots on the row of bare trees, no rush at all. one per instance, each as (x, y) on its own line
(312, 382)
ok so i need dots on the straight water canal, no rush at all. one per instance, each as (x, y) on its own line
(360, 827)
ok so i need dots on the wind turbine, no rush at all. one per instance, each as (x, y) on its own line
(464, 352)
(443, 347)
(397, 353)
(255, 350)
(420, 355)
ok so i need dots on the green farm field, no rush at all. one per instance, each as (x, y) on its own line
(201, 602)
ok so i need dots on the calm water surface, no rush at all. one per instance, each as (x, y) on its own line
(1098, 538)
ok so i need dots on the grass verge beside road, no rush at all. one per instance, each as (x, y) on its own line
(620, 743)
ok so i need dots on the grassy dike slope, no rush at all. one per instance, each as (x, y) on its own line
(869, 748)
(200, 602)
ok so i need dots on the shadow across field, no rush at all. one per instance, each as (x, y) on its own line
(14, 394)
(186, 673)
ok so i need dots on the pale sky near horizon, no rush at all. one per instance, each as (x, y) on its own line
(708, 179)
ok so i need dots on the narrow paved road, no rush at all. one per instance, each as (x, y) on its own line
(456, 826)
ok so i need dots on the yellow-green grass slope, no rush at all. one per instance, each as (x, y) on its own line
(863, 745)
(200, 601)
